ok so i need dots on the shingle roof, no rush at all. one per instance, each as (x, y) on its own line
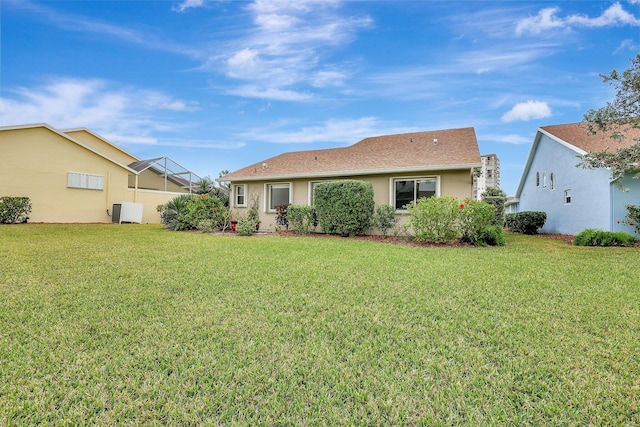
(577, 135)
(441, 149)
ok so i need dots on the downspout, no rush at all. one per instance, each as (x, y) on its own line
(135, 192)
(108, 190)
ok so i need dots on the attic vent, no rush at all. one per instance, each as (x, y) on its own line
(435, 141)
(264, 166)
(315, 158)
(410, 139)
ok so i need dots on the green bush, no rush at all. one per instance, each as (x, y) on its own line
(497, 198)
(592, 237)
(246, 226)
(527, 222)
(302, 219)
(170, 210)
(344, 206)
(475, 218)
(282, 216)
(435, 219)
(492, 235)
(14, 209)
(207, 186)
(385, 218)
(445, 219)
(189, 212)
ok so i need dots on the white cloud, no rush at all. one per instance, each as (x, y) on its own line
(545, 19)
(333, 130)
(124, 114)
(288, 45)
(514, 139)
(548, 19)
(269, 93)
(628, 45)
(614, 15)
(524, 111)
(188, 4)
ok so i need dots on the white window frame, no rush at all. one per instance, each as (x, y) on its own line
(267, 194)
(235, 195)
(85, 181)
(567, 197)
(392, 188)
(311, 188)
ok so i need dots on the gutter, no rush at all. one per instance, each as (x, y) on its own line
(349, 173)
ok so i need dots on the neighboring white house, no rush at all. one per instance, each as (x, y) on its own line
(573, 198)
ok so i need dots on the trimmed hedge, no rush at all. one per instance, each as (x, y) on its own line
(301, 219)
(527, 222)
(14, 209)
(344, 207)
(592, 237)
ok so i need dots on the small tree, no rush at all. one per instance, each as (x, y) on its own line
(497, 198)
(618, 118)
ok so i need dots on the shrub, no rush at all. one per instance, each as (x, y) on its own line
(434, 219)
(385, 218)
(344, 206)
(492, 235)
(282, 218)
(246, 226)
(497, 198)
(14, 209)
(527, 222)
(475, 218)
(170, 210)
(633, 217)
(592, 237)
(201, 208)
(189, 212)
(207, 186)
(253, 213)
(302, 219)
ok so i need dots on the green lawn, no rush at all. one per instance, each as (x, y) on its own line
(133, 324)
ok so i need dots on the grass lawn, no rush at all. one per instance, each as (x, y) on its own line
(133, 324)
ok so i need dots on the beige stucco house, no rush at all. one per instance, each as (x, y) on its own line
(402, 168)
(78, 176)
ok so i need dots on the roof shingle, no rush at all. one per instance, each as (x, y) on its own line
(403, 152)
(577, 135)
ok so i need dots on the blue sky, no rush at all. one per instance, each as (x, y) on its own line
(223, 84)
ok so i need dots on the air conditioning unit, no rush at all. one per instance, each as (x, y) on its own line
(129, 212)
(115, 213)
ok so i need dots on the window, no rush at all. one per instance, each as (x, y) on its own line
(489, 173)
(312, 189)
(552, 183)
(544, 180)
(240, 195)
(567, 197)
(410, 190)
(278, 194)
(85, 181)
(537, 179)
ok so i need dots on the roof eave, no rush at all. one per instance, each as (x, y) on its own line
(333, 174)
